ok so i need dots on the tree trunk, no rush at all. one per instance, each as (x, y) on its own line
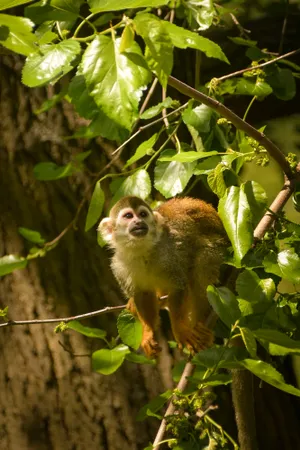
(51, 399)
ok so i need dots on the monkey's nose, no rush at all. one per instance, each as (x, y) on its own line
(139, 229)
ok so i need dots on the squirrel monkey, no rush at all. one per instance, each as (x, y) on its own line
(176, 251)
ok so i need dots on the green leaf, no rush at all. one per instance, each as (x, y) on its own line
(159, 48)
(221, 357)
(277, 343)
(20, 38)
(95, 207)
(219, 379)
(127, 38)
(157, 109)
(251, 288)
(215, 180)
(139, 359)
(80, 97)
(145, 148)
(130, 329)
(31, 235)
(224, 303)
(5, 4)
(86, 331)
(47, 171)
(208, 165)
(249, 341)
(9, 263)
(70, 6)
(285, 264)
(202, 12)
(187, 156)
(236, 216)
(118, 93)
(182, 38)
(41, 12)
(242, 41)
(259, 88)
(138, 184)
(267, 373)
(257, 199)
(283, 83)
(48, 104)
(155, 405)
(52, 61)
(107, 361)
(4, 312)
(199, 118)
(115, 5)
(171, 178)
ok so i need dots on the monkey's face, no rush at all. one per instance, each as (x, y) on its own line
(136, 227)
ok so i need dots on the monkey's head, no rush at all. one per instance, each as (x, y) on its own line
(131, 222)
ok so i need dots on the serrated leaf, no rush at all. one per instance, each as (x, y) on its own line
(253, 289)
(130, 329)
(138, 184)
(159, 47)
(127, 38)
(215, 180)
(224, 303)
(86, 331)
(223, 357)
(107, 361)
(188, 156)
(157, 109)
(267, 373)
(47, 171)
(183, 38)
(235, 213)
(206, 166)
(277, 343)
(115, 80)
(20, 38)
(115, 5)
(9, 263)
(198, 117)
(171, 178)
(31, 235)
(249, 341)
(95, 207)
(145, 148)
(139, 359)
(55, 60)
(156, 404)
(285, 264)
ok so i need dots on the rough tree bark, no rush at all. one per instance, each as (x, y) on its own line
(49, 398)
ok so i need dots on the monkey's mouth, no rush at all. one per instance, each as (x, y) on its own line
(139, 230)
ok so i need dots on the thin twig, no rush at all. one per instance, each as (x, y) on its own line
(106, 310)
(237, 121)
(258, 66)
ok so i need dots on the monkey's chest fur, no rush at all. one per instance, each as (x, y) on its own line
(151, 269)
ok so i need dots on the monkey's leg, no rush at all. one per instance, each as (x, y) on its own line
(193, 334)
(147, 308)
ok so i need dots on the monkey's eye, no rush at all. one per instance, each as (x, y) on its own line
(128, 215)
(143, 214)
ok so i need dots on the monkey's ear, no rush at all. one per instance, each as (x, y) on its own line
(106, 229)
(158, 218)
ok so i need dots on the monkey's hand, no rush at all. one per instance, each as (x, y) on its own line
(195, 339)
(149, 344)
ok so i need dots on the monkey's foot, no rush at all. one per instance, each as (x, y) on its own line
(131, 307)
(150, 347)
(195, 339)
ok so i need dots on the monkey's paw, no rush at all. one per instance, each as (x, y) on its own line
(150, 347)
(195, 339)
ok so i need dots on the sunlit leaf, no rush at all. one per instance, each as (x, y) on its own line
(277, 343)
(19, 37)
(286, 264)
(9, 263)
(130, 329)
(115, 5)
(253, 289)
(31, 235)
(249, 341)
(188, 156)
(224, 303)
(145, 148)
(95, 207)
(138, 184)
(107, 361)
(86, 331)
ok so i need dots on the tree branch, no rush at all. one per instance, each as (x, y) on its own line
(239, 123)
(106, 310)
